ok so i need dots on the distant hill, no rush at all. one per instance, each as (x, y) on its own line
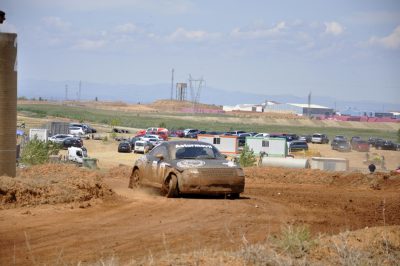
(132, 93)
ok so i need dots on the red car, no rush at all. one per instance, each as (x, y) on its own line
(360, 145)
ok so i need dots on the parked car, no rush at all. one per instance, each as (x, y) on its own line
(298, 145)
(142, 146)
(72, 142)
(124, 147)
(360, 145)
(188, 167)
(59, 138)
(306, 138)
(153, 139)
(177, 133)
(385, 145)
(341, 145)
(76, 131)
(262, 135)
(373, 141)
(193, 135)
(319, 138)
(235, 133)
(291, 137)
(132, 141)
(189, 131)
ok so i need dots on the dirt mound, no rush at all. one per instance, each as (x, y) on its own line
(52, 184)
(377, 180)
(121, 171)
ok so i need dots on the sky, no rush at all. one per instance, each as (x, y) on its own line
(349, 50)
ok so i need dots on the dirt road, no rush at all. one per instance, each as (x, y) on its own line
(143, 224)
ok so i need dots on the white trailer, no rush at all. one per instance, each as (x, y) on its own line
(225, 144)
(39, 133)
(272, 147)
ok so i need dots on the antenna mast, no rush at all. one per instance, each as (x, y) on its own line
(195, 90)
(172, 84)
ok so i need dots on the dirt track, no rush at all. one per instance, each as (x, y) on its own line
(141, 223)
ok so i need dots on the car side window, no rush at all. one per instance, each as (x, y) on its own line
(160, 150)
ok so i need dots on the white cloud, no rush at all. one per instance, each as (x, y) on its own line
(56, 22)
(392, 41)
(259, 32)
(333, 28)
(86, 44)
(127, 28)
(182, 34)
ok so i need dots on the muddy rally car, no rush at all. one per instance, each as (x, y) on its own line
(188, 167)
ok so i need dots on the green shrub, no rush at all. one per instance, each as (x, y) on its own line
(38, 152)
(247, 157)
(296, 240)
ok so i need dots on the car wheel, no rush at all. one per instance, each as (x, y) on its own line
(134, 180)
(233, 196)
(172, 189)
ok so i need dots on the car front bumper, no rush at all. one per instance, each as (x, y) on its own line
(211, 181)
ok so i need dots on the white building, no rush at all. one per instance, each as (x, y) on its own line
(225, 144)
(272, 147)
(244, 108)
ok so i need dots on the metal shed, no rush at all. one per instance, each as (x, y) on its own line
(273, 147)
(225, 144)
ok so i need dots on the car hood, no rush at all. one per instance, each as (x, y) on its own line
(184, 164)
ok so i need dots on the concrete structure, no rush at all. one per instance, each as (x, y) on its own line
(299, 109)
(272, 147)
(225, 144)
(244, 108)
(55, 128)
(329, 164)
(39, 133)
(8, 103)
(287, 162)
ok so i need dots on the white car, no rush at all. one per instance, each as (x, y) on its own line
(153, 139)
(141, 146)
(76, 131)
(262, 135)
(59, 138)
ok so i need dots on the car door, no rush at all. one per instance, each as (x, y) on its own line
(155, 166)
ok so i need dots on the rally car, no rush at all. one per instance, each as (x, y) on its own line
(188, 167)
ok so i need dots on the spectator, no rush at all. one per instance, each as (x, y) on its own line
(371, 168)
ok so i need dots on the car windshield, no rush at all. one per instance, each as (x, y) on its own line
(196, 151)
(139, 144)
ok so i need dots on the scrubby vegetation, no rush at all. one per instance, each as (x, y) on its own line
(38, 152)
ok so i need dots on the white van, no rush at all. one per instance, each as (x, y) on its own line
(141, 146)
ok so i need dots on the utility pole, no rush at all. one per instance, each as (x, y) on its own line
(79, 91)
(309, 105)
(172, 85)
(66, 92)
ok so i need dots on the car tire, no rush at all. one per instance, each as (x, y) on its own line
(172, 189)
(234, 196)
(134, 180)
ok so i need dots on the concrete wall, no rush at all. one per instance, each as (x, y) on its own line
(8, 103)
(329, 164)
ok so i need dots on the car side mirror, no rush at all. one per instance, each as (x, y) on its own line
(160, 156)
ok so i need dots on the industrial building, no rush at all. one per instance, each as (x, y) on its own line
(271, 106)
